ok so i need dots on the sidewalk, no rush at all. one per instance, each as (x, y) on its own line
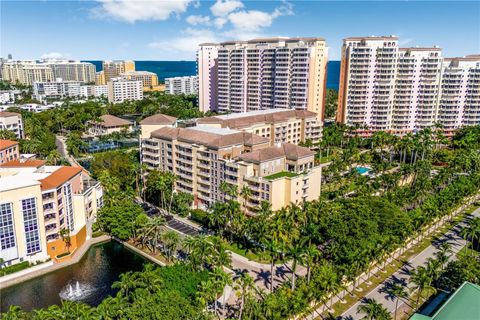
(27, 274)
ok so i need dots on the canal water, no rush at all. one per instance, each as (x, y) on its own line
(88, 281)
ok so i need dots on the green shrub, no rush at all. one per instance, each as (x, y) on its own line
(14, 268)
(199, 216)
(63, 254)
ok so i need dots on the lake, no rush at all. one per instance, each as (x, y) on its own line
(97, 270)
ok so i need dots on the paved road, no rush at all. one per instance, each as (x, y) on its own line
(403, 276)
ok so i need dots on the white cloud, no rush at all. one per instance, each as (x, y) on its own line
(198, 19)
(222, 8)
(220, 22)
(52, 55)
(254, 20)
(188, 42)
(140, 10)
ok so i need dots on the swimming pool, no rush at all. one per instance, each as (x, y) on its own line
(362, 170)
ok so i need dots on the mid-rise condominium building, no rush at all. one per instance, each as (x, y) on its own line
(38, 201)
(56, 89)
(72, 70)
(181, 85)
(120, 90)
(12, 121)
(277, 125)
(94, 91)
(205, 157)
(262, 74)
(149, 79)
(400, 90)
(9, 151)
(26, 72)
(113, 69)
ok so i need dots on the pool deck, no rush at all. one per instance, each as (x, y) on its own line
(39, 270)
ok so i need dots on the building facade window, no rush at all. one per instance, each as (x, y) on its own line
(67, 191)
(30, 222)
(7, 233)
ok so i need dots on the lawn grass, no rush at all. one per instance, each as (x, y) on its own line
(282, 174)
(248, 253)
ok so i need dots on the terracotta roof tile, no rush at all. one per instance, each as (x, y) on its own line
(159, 119)
(4, 144)
(23, 164)
(242, 122)
(9, 114)
(287, 150)
(210, 139)
(109, 121)
(58, 177)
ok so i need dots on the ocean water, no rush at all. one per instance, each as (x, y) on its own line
(167, 69)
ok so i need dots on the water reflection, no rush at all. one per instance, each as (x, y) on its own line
(97, 270)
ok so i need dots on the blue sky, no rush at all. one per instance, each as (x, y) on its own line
(171, 30)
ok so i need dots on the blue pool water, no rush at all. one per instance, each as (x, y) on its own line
(362, 170)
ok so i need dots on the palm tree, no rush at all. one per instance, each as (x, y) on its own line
(309, 256)
(127, 282)
(472, 231)
(443, 254)
(244, 285)
(398, 291)
(273, 248)
(54, 156)
(154, 228)
(245, 193)
(422, 281)
(170, 240)
(222, 279)
(295, 252)
(373, 310)
(65, 235)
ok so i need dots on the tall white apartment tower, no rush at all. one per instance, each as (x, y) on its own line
(401, 90)
(417, 88)
(264, 74)
(367, 81)
(459, 103)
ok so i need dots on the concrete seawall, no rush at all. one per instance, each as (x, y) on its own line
(47, 267)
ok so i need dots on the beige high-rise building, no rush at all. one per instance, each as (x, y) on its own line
(114, 68)
(12, 121)
(262, 74)
(72, 70)
(26, 72)
(204, 158)
(277, 125)
(149, 79)
(36, 202)
(100, 78)
(400, 90)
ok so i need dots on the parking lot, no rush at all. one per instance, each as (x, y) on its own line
(173, 223)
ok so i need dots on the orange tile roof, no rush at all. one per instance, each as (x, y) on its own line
(23, 164)
(59, 177)
(4, 144)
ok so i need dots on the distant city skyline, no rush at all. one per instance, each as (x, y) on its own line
(171, 30)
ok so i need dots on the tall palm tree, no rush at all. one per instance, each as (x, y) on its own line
(273, 248)
(422, 281)
(309, 257)
(295, 252)
(244, 285)
(443, 254)
(154, 228)
(373, 310)
(170, 240)
(472, 231)
(245, 193)
(398, 291)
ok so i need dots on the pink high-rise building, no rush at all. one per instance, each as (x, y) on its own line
(261, 74)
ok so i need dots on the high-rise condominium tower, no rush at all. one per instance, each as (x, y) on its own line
(113, 69)
(261, 74)
(401, 90)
